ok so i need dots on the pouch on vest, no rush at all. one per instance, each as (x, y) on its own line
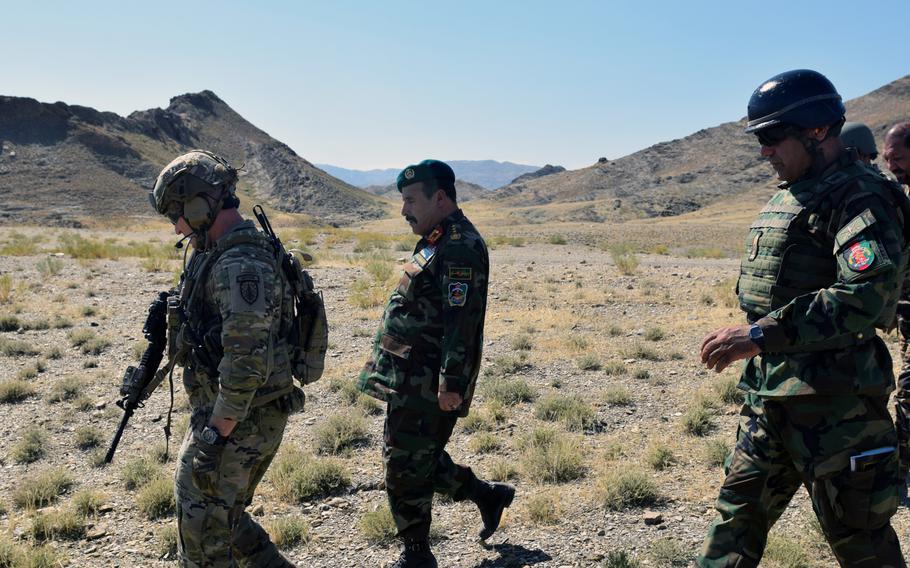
(309, 334)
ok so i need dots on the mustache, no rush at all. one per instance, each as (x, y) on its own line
(410, 219)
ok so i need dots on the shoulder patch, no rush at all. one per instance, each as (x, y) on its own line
(857, 225)
(458, 294)
(247, 289)
(859, 256)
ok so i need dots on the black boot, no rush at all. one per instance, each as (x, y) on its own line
(491, 499)
(416, 555)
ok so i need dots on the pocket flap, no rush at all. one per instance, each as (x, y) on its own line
(395, 346)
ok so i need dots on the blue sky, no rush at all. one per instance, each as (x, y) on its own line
(382, 84)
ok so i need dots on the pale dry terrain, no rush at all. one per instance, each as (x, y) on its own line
(614, 353)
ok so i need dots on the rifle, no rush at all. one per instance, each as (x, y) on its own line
(139, 382)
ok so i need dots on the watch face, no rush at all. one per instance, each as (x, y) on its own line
(209, 436)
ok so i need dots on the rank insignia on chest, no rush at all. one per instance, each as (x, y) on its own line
(458, 293)
(455, 235)
(859, 256)
(249, 287)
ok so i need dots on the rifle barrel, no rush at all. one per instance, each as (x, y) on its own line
(127, 413)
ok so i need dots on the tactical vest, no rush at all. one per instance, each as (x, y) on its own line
(791, 247)
(198, 338)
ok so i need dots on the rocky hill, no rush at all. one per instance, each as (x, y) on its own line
(59, 162)
(682, 175)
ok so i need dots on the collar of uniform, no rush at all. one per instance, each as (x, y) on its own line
(244, 225)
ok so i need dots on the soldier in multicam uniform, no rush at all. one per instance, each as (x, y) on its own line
(226, 327)
(897, 158)
(425, 362)
(821, 271)
(858, 136)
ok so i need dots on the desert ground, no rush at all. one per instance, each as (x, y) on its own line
(591, 400)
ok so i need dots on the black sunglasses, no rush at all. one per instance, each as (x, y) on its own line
(776, 134)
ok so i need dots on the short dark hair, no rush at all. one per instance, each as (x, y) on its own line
(901, 130)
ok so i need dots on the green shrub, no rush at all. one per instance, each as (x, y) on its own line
(138, 472)
(6, 287)
(508, 391)
(88, 437)
(57, 525)
(654, 334)
(54, 353)
(88, 503)
(549, 457)
(505, 365)
(485, 443)
(9, 323)
(614, 368)
(297, 478)
(289, 531)
(166, 541)
(728, 392)
(624, 258)
(715, 452)
(572, 411)
(378, 527)
(66, 388)
(156, 498)
(475, 422)
(41, 490)
(502, 470)
(619, 559)
(30, 447)
(17, 348)
(698, 421)
(556, 239)
(522, 342)
(617, 396)
(15, 390)
(623, 488)
(642, 352)
(669, 552)
(543, 509)
(49, 266)
(589, 362)
(660, 456)
(340, 432)
(641, 375)
(787, 552)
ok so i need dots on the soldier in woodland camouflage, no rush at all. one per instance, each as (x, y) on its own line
(425, 362)
(897, 158)
(821, 271)
(227, 325)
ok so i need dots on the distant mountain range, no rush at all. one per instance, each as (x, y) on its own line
(60, 163)
(489, 174)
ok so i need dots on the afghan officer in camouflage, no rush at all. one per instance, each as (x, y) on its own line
(425, 362)
(897, 158)
(821, 271)
(226, 325)
(858, 136)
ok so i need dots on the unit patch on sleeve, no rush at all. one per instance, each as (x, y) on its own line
(458, 293)
(859, 256)
(249, 287)
(460, 272)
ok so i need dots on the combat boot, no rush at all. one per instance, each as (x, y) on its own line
(491, 499)
(416, 555)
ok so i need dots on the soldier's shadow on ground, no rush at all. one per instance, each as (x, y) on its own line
(513, 556)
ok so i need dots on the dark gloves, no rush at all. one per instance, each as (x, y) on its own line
(209, 447)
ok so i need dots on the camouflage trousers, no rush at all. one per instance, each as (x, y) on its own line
(417, 466)
(808, 440)
(215, 530)
(902, 397)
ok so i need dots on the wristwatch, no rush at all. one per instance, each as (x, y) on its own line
(212, 437)
(757, 336)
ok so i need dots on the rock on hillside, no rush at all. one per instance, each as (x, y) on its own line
(59, 161)
(547, 170)
(682, 175)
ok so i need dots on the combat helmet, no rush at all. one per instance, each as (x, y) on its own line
(858, 135)
(194, 186)
(801, 98)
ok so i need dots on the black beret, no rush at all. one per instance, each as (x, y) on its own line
(425, 171)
